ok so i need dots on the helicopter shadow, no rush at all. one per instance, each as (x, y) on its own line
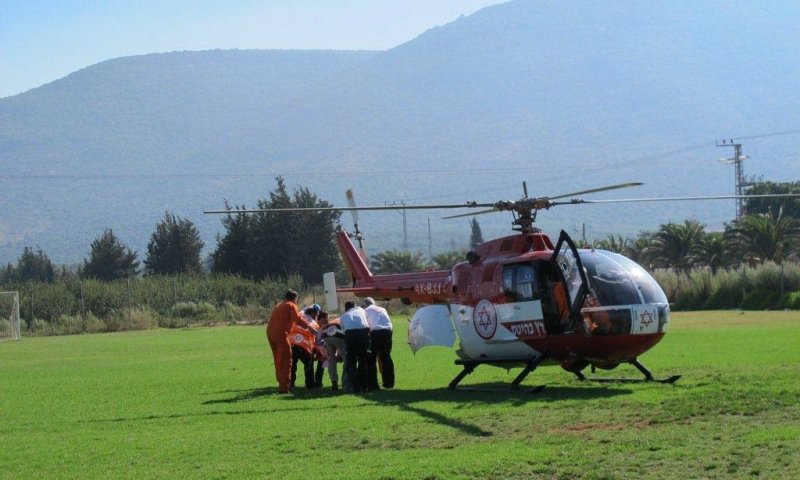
(496, 393)
(485, 394)
(409, 400)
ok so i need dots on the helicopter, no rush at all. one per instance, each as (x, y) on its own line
(522, 300)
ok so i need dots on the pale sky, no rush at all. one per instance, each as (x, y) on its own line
(44, 40)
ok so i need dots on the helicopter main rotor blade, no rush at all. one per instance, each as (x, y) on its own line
(347, 209)
(578, 201)
(469, 214)
(601, 189)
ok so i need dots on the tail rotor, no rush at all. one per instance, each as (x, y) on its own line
(351, 202)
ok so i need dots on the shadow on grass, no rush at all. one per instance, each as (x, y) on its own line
(407, 400)
(244, 395)
(404, 400)
(240, 395)
(493, 393)
(488, 393)
(483, 394)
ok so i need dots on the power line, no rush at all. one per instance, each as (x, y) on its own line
(349, 172)
(766, 135)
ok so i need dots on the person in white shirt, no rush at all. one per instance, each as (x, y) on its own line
(380, 337)
(356, 339)
(331, 337)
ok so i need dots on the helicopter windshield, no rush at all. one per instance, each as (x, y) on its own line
(618, 280)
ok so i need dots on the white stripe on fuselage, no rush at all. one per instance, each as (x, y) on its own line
(504, 343)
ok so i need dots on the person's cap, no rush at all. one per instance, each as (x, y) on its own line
(368, 301)
(316, 307)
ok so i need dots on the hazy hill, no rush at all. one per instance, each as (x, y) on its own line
(565, 95)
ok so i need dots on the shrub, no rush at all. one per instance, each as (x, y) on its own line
(92, 324)
(172, 322)
(142, 318)
(192, 310)
(66, 325)
(791, 301)
(39, 327)
(230, 313)
(254, 313)
(762, 300)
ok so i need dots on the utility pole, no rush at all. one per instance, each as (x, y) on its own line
(430, 241)
(402, 211)
(741, 182)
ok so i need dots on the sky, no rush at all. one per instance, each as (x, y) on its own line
(44, 40)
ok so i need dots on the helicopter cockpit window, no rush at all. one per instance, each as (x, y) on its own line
(617, 280)
(520, 282)
(649, 289)
(508, 281)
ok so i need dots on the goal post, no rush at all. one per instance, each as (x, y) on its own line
(9, 321)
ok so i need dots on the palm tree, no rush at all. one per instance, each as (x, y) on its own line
(636, 248)
(396, 261)
(446, 260)
(714, 252)
(676, 245)
(763, 237)
(614, 243)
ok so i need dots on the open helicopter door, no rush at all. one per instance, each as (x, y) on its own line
(566, 257)
(431, 325)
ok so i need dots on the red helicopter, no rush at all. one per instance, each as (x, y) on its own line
(521, 300)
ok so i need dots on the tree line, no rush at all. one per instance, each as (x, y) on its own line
(752, 262)
(254, 246)
(751, 240)
(277, 244)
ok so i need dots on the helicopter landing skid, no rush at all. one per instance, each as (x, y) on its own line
(648, 377)
(471, 365)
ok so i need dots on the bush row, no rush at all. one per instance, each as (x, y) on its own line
(77, 306)
(766, 287)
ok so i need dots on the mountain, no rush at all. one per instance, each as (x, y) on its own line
(567, 96)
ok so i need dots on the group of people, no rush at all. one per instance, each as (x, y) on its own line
(361, 338)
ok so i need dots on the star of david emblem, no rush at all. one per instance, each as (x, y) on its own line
(646, 318)
(485, 318)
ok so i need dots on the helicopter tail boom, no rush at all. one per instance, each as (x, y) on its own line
(355, 264)
(416, 287)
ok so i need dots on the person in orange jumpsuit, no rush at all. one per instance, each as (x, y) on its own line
(284, 315)
(598, 322)
(562, 305)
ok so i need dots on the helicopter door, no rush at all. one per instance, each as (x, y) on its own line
(431, 325)
(569, 262)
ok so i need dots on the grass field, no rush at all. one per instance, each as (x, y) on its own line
(201, 403)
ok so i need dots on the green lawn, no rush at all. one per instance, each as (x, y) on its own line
(201, 403)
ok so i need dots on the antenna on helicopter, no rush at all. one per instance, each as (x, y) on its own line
(351, 202)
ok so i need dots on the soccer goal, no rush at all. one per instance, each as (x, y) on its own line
(9, 315)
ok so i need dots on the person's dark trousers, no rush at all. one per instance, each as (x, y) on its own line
(318, 373)
(381, 347)
(356, 360)
(308, 368)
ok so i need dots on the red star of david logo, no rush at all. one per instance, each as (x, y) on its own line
(646, 319)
